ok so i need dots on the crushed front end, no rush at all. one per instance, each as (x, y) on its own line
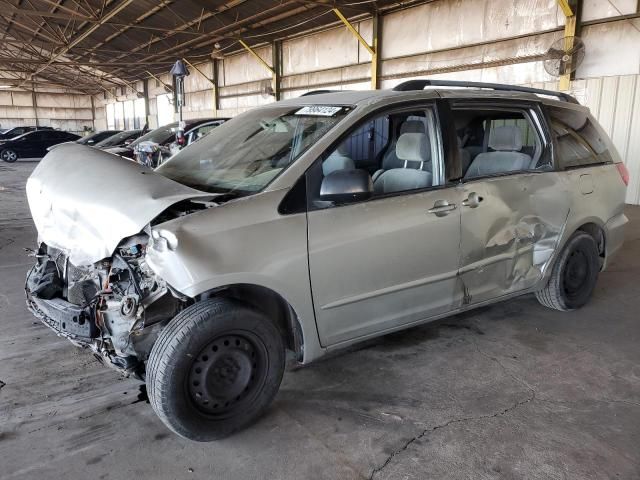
(116, 306)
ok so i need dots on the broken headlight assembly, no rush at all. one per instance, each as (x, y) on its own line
(115, 306)
(162, 240)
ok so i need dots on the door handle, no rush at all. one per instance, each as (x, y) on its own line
(441, 208)
(473, 200)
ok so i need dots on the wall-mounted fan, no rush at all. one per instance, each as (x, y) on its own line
(266, 89)
(564, 56)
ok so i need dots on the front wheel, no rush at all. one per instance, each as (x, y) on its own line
(9, 155)
(214, 369)
(574, 274)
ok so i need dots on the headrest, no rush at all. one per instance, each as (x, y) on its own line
(413, 147)
(343, 149)
(506, 138)
(412, 126)
(336, 161)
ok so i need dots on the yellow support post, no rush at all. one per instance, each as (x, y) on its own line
(276, 54)
(212, 81)
(158, 79)
(197, 70)
(566, 8)
(375, 65)
(373, 50)
(569, 33)
(258, 57)
(354, 31)
(275, 77)
(216, 93)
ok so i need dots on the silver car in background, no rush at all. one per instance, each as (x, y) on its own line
(313, 223)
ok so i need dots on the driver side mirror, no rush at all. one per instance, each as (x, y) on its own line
(343, 186)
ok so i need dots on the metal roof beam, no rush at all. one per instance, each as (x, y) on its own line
(44, 61)
(105, 17)
(58, 5)
(38, 13)
(237, 28)
(187, 25)
(14, 23)
(162, 4)
(333, 5)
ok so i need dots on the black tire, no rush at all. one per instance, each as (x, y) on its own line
(214, 369)
(9, 155)
(574, 274)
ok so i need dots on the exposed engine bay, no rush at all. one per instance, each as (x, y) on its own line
(91, 282)
(115, 307)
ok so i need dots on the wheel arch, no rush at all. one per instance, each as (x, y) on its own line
(272, 304)
(598, 234)
(591, 225)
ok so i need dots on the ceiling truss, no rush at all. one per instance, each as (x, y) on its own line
(91, 46)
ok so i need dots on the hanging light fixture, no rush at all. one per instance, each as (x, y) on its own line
(179, 71)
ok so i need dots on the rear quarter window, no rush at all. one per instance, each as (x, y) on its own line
(580, 140)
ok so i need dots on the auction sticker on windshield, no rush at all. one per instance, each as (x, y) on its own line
(319, 110)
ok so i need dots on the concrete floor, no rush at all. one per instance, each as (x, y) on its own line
(510, 391)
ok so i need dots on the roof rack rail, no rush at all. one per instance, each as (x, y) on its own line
(420, 84)
(318, 92)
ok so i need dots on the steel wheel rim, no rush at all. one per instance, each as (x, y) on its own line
(576, 273)
(227, 374)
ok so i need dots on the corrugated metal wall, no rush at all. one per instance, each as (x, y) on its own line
(66, 111)
(615, 102)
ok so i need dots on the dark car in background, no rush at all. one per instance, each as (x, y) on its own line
(16, 131)
(89, 140)
(121, 139)
(164, 136)
(33, 144)
(97, 137)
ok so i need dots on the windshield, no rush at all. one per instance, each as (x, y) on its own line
(117, 139)
(160, 135)
(244, 154)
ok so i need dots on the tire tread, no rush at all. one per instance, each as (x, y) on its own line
(166, 350)
(551, 295)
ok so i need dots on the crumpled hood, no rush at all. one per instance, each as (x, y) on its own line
(85, 201)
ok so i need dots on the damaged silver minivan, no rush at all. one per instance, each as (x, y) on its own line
(313, 223)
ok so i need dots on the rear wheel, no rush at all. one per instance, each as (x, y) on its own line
(574, 274)
(214, 369)
(9, 155)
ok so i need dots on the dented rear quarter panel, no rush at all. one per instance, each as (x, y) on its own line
(602, 205)
(509, 239)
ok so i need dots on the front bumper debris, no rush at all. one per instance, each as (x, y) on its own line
(66, 319)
